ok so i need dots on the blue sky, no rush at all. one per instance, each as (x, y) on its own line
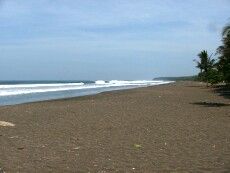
(106, 39)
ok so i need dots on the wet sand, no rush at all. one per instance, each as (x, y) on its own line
(179, 127)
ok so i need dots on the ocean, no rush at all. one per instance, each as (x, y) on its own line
(18, 92)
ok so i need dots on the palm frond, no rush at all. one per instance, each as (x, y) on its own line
(226, 30)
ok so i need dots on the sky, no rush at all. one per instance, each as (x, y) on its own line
(106, 39)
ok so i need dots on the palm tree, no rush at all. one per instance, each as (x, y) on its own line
(224, 52)
(206, 65)
(226, 30)
(205, 62)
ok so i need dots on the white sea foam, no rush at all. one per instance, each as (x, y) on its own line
(19, 89)
(100, 82)
(26, 90)
(40, 85)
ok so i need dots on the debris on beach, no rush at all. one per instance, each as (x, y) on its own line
(137, 146)
(12, 137)
(6, 124)
(20, 148)
(76, 148)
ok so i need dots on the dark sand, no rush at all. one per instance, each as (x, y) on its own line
(181, 127)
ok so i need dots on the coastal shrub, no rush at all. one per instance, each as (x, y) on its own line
(213, 77)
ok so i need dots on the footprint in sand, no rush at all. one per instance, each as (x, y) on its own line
(6, 124)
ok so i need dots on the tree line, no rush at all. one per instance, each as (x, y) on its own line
(212, 70)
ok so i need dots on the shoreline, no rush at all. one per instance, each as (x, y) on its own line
(75, 97)
(180, 127)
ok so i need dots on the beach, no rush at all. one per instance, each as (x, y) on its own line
(178, 127)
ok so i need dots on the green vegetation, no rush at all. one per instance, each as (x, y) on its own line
(181, 78)
(208, 72)
(215, 71)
